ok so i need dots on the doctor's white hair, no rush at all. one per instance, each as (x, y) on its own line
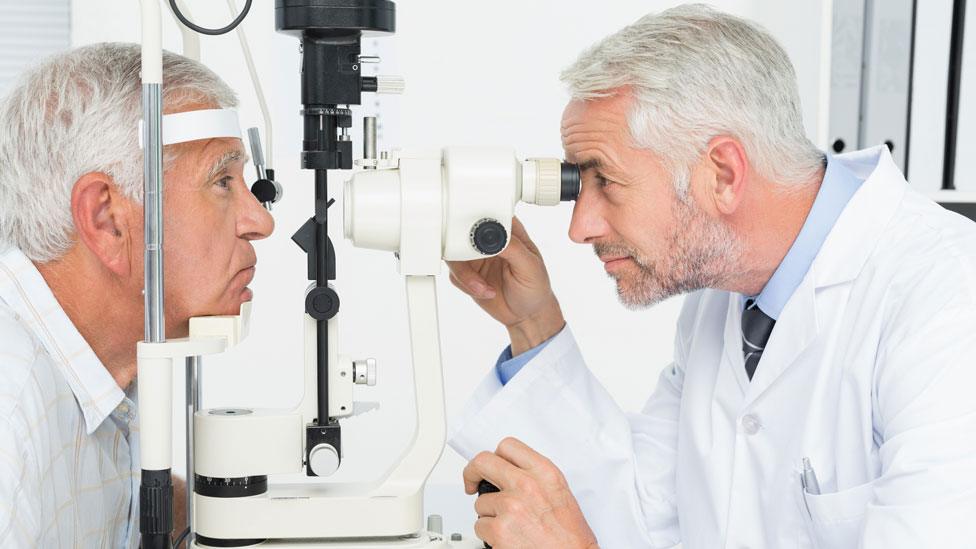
(697, 73)
(78, 112)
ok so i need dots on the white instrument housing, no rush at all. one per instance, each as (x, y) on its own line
(424, 206)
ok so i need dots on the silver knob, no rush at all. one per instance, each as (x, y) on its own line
(435, 524)
(390, 84)
(364, 372)
(257, 153)
(323, 460)
(369, 140)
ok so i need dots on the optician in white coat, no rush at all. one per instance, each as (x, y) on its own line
(870, 369)
(870, 372)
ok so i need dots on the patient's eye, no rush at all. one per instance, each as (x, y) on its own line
(224, 182)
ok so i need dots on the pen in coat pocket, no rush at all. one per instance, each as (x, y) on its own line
(810, 483)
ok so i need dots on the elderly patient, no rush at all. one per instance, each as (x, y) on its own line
(71, 278)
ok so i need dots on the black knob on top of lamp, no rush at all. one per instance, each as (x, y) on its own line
(488, 236)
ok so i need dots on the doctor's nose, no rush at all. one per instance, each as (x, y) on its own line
(587, 223)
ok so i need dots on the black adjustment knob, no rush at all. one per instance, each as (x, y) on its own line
(489, 236)
(485, 487)
(322, 303)
(265, 191)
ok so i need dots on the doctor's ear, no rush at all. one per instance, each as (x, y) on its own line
(726, 162)
(101, 216)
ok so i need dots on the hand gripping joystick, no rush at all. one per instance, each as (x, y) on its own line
(485, 487)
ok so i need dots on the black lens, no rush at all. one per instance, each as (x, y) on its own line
(569, 182)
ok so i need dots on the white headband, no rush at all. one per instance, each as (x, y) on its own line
(192, 125)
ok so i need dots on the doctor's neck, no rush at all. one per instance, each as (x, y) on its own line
(767, 222)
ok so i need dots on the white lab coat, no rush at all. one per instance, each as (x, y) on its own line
(870, 372)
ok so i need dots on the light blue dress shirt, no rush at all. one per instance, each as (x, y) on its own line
(839, 185)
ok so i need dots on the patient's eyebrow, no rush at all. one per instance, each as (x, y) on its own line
(225, 160)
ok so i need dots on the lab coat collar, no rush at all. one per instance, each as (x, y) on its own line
(25, 292)
(866, 217)
(841, 258)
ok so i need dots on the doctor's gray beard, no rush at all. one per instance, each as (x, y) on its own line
(704, 253)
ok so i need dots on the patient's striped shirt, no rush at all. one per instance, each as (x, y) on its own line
(68, 435)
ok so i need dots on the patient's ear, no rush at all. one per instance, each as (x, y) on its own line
(101, 215)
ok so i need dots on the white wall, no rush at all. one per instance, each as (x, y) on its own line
(477, 73)
(28, 31)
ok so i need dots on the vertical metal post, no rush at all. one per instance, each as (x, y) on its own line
(192, 405)
(155, 489)
(257, 152)
(322, 280)
(369, 139)
(152, 109)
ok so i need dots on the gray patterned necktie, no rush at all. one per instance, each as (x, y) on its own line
(756, 327)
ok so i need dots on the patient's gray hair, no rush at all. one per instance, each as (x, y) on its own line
(697, 73)
(76, 113)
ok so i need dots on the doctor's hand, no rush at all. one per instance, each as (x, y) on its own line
(534, 507)
(513, 287)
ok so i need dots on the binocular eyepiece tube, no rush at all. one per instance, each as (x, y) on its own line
(547, 181)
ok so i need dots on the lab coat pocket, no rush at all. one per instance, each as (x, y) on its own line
(835, 519)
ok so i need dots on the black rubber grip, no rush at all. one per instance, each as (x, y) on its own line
(485, 487)
(569, 182)
(156, 509)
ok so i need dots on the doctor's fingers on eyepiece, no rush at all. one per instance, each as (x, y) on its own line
(496, 470)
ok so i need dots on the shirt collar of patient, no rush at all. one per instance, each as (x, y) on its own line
(23, 289)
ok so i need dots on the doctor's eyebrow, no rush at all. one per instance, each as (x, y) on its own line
(590, 164)
(225, 160)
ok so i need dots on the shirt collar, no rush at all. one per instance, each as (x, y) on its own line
(24, 291)
(838, 186)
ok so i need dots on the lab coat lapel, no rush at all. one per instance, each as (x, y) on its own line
(858, 230)
(793, 333)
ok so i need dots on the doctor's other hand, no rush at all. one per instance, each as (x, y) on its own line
(513, 287)
(534, 507)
